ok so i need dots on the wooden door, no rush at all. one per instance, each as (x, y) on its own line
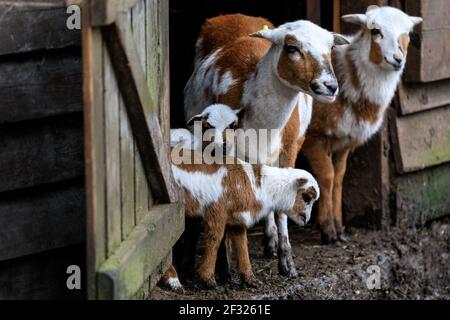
(134, 214)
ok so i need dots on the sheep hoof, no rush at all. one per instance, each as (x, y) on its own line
(286, 266)
(250, 281)
(210, 283)
(270, 247)
(328, 235)
(343, 238)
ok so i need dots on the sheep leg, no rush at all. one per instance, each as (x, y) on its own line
(286, 265)
(223, 261)
(238, 236)
(270, 239)
(214, 226)
(340, 165)
(320, 159)
(170, 280)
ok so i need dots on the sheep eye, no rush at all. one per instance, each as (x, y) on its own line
(307, 198)
(376, 32)
(292, 49)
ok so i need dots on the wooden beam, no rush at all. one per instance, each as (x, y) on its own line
(94, 155)
(141, 111)
(421, 140)
(422, 196)
(123, 274)
(106, 12)
(30, 28)
(44, 151)
(44, 85)
(423, 96)
(32, 219)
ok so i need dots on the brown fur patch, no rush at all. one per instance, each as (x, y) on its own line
(354, 78)
(375, 55)
(290, 144)
(404, 43)
(220, 31)
(258, 174)
(299, 72)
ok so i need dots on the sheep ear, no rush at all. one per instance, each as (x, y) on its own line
(267, 34)
(372, 7)
(194, 119)
(239, 112)
(416, 20)
(339, 39)
(359, 19)
(301, 183)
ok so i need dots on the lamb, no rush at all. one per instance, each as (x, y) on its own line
(235, 197)
(369, 70)
(216, 119)
(245, 63)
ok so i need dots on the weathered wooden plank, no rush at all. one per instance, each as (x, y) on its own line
(138, 24)
(106, 12)
(435, 13)
(425, 96)
(26, 27)
(141, 111)
(431, 61)
(94, 152)
(42, 276)
(422, 140)
(423, 196)
(112, 155)
(31, 219)
(125, 272)
(164, 70)
(127, 172)
(47, 84)
(45, 151)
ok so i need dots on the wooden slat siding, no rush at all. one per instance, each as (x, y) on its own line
(138, 27)
(29, 27)
(106, 12)
(41, 219)
(422, 196)
(337, 16)
(424, 96)
(94, 155)
(422, 140)
(127, 172)
(47, 84)
(430, 62)
(42, 276)
(141, 110)
(123, 274)
(44, 151)
(435, 13)
(112, 155)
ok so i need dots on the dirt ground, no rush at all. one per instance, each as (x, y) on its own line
(414, 264)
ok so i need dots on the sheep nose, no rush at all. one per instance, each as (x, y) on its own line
(332, 87)
(398, 58)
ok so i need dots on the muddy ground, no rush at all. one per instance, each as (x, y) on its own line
(414, 264)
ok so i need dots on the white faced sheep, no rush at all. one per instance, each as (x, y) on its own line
(237, 196)
(369, 71)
